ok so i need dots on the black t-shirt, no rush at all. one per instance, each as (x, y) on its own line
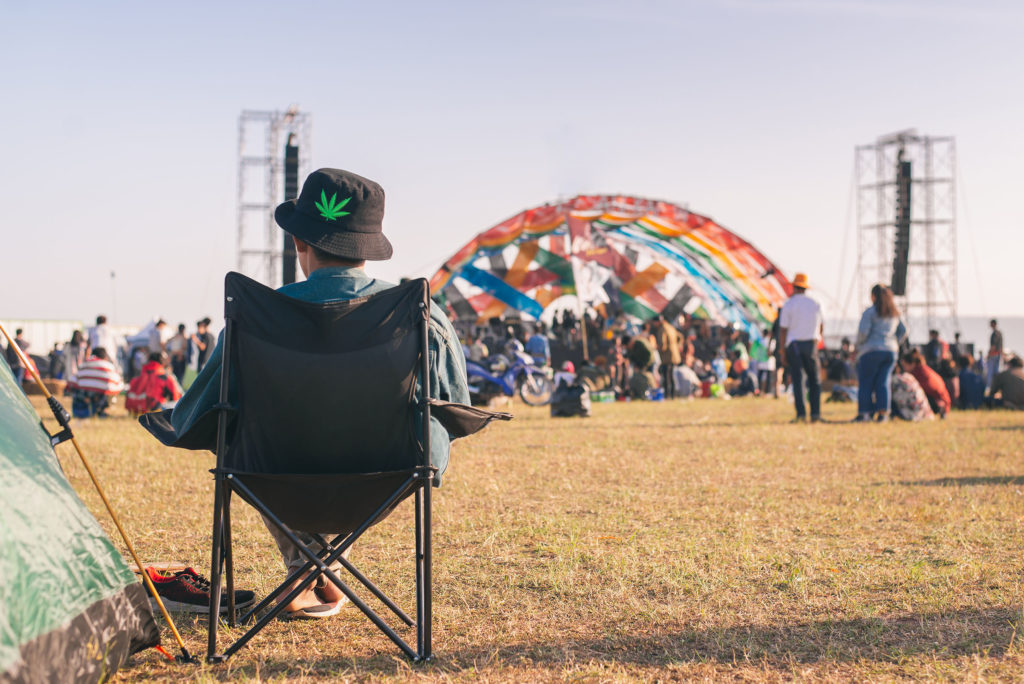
(203, 354)
(996, 341)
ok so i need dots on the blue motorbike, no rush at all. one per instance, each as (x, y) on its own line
(500, 377)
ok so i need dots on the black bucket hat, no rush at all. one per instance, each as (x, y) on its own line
(340, 213)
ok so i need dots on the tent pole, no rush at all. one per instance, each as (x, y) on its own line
(51, 400)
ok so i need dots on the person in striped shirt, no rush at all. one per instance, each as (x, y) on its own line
(95, 383)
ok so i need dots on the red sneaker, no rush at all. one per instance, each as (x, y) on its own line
(187, 591)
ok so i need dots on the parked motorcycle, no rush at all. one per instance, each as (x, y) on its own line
(500, 377)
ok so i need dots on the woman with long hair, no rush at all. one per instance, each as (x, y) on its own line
(879, 336)
(74, 354)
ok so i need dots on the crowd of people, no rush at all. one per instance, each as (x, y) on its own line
(97, 365)
(688, 356)
(684, 357)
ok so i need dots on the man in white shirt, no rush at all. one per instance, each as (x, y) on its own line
(800, 328)
(101, 336)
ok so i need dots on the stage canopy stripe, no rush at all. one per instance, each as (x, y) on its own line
(641, 255)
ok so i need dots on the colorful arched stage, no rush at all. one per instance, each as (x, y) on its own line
(643, 256)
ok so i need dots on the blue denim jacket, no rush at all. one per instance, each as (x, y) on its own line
(447, 363)
(879, 334)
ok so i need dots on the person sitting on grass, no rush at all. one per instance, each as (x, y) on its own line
(94, 386)
(332, 248)
(1009, 385)
(908, 400)
(972, 385)
(154, 388)
(931, 382)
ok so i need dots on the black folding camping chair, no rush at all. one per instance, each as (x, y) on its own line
(323, 424)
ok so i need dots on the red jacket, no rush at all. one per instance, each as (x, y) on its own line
(933, 385)
(151, 389)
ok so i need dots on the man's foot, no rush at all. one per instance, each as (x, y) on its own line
(329, 592)
(319, 611)
(305, 600)
(817, 419)
(799, 419)
(882, 418)
(862, 418)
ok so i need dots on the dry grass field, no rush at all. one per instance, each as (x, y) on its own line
(701, 540)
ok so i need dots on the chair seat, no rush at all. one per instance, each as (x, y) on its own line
(327, 503)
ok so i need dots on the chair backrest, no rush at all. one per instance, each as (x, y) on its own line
(325, 387)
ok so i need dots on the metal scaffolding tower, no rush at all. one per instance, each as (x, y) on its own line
(906, 219)
(261, 150)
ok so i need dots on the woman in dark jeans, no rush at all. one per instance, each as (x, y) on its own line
(878, 341)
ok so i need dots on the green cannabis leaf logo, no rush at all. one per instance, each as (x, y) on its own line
(331, 210)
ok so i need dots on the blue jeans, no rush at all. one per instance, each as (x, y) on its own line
(802, 359)
(991, 369)
(874, 377)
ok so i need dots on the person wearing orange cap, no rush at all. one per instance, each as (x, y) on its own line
(800, 328)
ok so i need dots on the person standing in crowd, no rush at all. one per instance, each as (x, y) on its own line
(703, 343)
(202, 342)
(13, 360)
(956, 350)
(620, 364)
(177, 348)
(100, 335)
(669, 345)
(156, 337)
(935, 350)
(1009, 385)
(995, 353)
(74, 354)
(879, 336)
(764, 354)
(56, 362)
(931, 382)
(800, 328)
(538, 346)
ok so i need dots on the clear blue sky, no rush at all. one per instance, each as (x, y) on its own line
(120, 127)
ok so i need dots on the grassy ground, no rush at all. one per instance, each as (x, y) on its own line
(701, 540)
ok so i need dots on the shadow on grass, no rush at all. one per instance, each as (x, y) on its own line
(892, 640)
(961, 481)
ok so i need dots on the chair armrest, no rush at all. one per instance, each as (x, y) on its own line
(461, 420)
(201, 435)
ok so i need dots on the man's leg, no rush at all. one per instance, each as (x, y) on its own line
(865, 384)
(668, 380)
(795, 364)
(809, 357)
(294, 559)
(991, 368)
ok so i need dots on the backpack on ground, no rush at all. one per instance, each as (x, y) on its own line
(568, 401)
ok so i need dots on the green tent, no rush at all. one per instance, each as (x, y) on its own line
(70, 609)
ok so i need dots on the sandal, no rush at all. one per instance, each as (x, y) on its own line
(324, 610)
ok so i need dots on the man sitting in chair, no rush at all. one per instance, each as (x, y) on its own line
(336, 224)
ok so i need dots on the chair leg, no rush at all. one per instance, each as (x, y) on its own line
(423, 574)
(424, 587)
(229, 568)
(322, 567)
(215, 571)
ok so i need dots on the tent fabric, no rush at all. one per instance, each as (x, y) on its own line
(651, 256)
(70, 608)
